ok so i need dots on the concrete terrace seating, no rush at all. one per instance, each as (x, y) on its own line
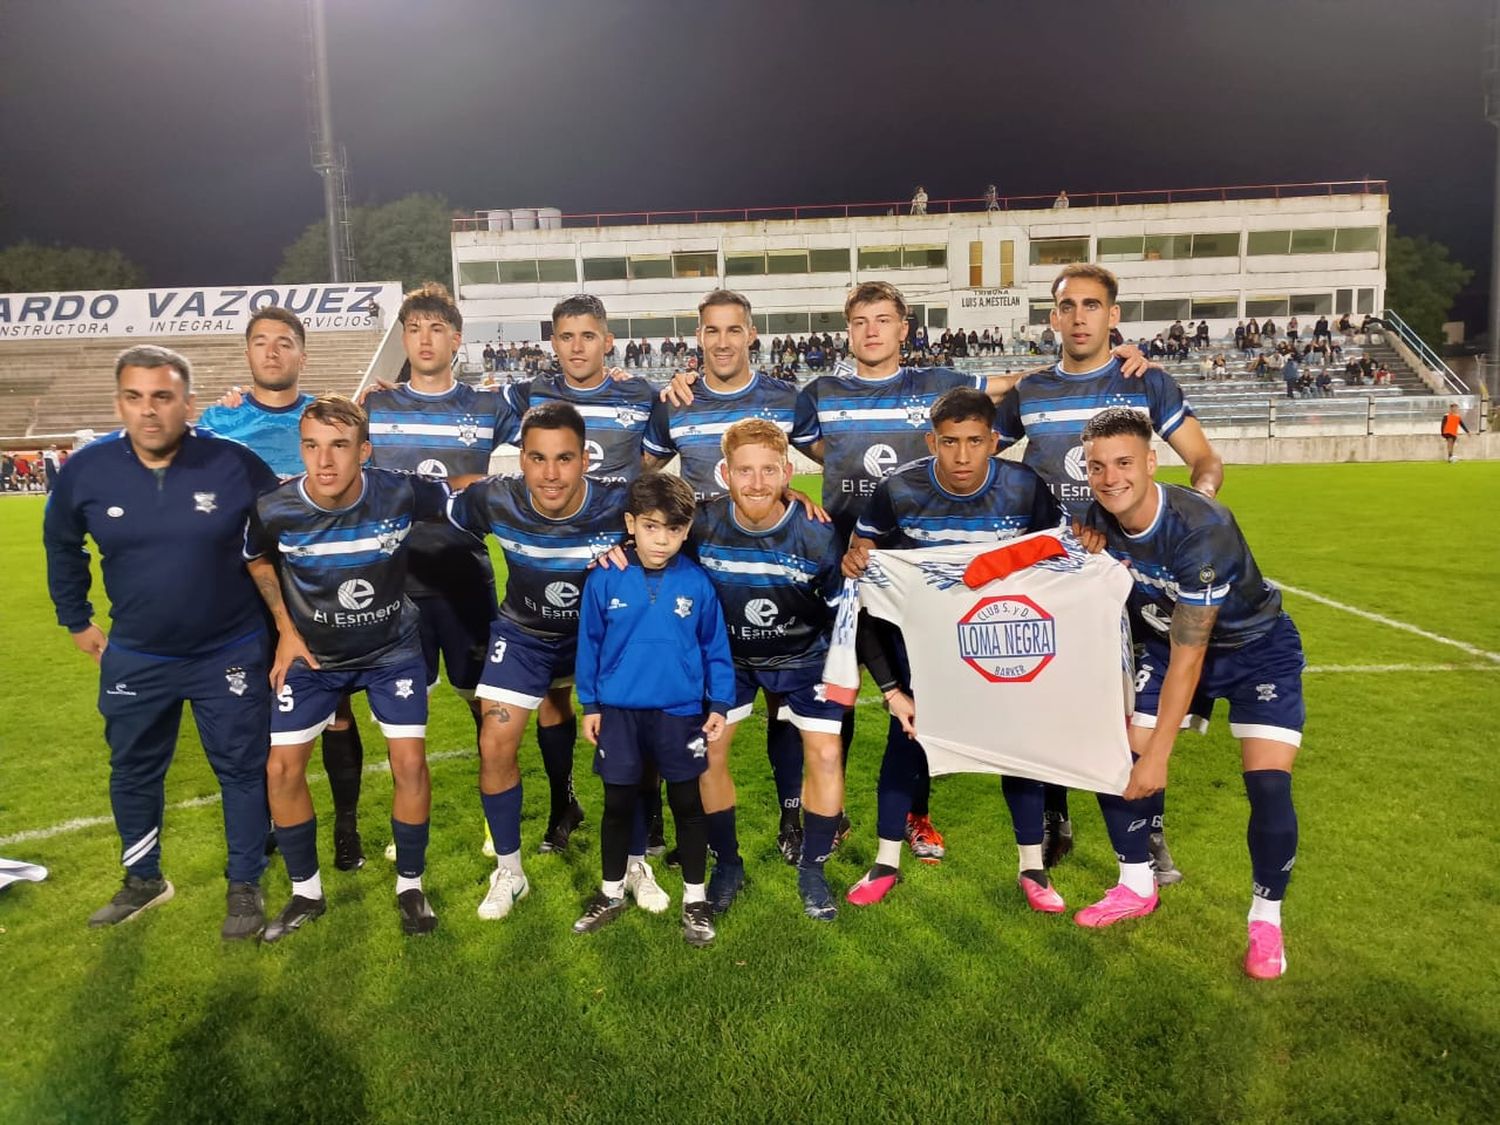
(60, 386)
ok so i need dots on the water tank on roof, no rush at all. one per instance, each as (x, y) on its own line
(549, 218)
(497, 220)
(523, 218)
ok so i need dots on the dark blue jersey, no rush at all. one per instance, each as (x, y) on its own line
(343, 570)
(1051, 408)
(868, 427)
(615, 416)
(169, 540)
(779, 587)
(545, 559)
(1193, 552)
(911, 509)
(695, 431)
(273, 432)
(441, 436)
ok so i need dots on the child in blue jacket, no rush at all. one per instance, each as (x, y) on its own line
(655, 679)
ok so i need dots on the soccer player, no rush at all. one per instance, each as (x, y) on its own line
(268, 419)
(776, 572)
(345, 625)
(652, 659)
(442, 429)
(960, 493)
(552, 522)
(731, 390)
(1453, 422)
(1050, 407)
(1209, 627)
(167, 510)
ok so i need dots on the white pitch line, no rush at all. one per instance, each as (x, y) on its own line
(1315, 668)
(1379, 619)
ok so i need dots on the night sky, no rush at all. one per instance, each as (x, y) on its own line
(175, 130)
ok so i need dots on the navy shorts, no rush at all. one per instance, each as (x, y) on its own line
(519, 668)
(305, 705)
(629, 739)
(1262, 681)
(456, 626)
(803, 703)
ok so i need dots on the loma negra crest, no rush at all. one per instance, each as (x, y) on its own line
(1007, 640)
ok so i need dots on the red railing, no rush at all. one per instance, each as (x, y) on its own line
(480, 220)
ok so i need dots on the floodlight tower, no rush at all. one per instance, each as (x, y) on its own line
(328, 159)
(1492, 114)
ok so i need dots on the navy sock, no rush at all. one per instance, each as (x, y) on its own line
(411, 847)
(622, 806)
(722, 837)
(299, 847)
(1026, 800)
(556, 743)
(846, 735)
(688, 823)
(784, 749)
(1273, 831)
(1129, 827)
(921, 787)
(893, 791)
(502, 811)
(818, 832)
(1057, 800)
(343, 761)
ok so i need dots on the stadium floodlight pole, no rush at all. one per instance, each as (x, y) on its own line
(327, 156)
(1492, 114)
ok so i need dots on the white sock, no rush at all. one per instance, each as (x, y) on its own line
(613, 888)
(1265, 910)
(309, 888)
(510, 861)
(1031, 857)
(888, 852)
(406, 883)
(1138, 878)
(632, 860)
(693, 892)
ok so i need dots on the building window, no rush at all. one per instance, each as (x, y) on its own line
(1007, 264)
(828, 261)
(1365, 301)
(1215, 308)
(786, 261)
(1312, 241)
(557, 269)
(605, 269)
(1058, 251)
(831, 321)
(744, 265)
(1130, 311)
(976, 264)
(1268, 242)
(1130, 248)
(1258, 307)
(644, 268)
(1165, 308)
(1225, 245)
(1356, 240)
(1167, 247)
(781, 323)
(651, 326)
(518, 271)
(924, 257)
(478, 273)
(1312, 304)
(937, 316)
(699, 264)
(880, 257)
(1041, 313)
(687, 324)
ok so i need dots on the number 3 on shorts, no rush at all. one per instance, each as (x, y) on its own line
(497, 653)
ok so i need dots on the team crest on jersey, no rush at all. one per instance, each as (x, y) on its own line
(468, 430)
(403, 689)
(390, 538)
(698, 747)
(1265, 693)
(236, 680)
(1206, 575)
(1007, 640)
(684, 607)
(630, 416)
(205, 501)
(916, 416)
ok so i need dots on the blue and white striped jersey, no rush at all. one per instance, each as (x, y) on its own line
(911, 509)
(868, 428)
(695, 431)
(546, 559)
(272, 432)
(1192, 552)
(441, 436)
(343, 571)
(1051, 408)
(778, 587)
(615, 416)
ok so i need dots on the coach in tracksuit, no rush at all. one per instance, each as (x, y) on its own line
(167, 508)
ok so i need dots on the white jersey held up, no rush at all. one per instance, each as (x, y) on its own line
(1025, 674)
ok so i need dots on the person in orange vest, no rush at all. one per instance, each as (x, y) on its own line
(1452, 423)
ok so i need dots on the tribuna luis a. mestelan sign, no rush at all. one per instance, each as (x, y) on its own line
(210, 310)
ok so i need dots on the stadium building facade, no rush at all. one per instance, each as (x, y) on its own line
(1219, 254)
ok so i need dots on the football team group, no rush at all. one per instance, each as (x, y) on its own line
(290, 551)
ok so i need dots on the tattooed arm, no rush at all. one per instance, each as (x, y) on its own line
(289, 645)
(1192, 625)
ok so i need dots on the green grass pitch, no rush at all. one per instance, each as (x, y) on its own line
(949, 1001)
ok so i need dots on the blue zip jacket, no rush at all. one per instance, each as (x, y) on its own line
(653, 641)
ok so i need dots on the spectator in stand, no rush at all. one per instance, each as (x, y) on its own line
(1239, 336)
(1382, 376)
(1351, 373)
(919, 337)
(1452, 423)
(1203, 333)
(1346, 328)
(51, 462)
(1177, 336)
(1325, 382)
(1320, 329)
(815, 355)
(919, 201)
(1292, 329)
(1157, 348)
(973, 342)
(1061, 202)
(7, 473)
(1290, 375)
(489, 357)
(1268, 330)
(986, 342)
(991, 198)
(1205, 367)
(1252, 333)
(632, 355)
(1366, 371)
(754, 350)
(645, 350)
(1049, 340)
(1221, 367)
